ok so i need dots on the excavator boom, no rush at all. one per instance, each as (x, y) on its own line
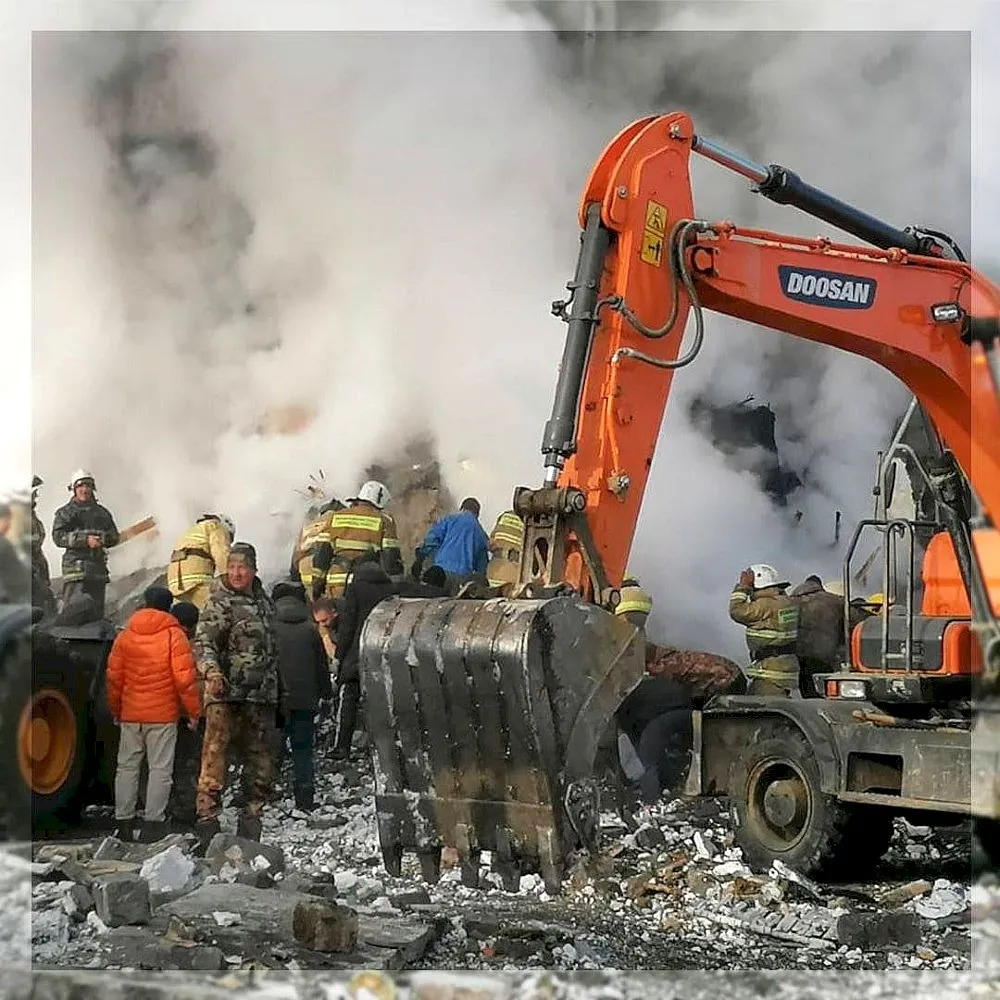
(486, 714)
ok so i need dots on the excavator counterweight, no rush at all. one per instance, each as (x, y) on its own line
(486, 714)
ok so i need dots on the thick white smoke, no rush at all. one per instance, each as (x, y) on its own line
(374, 225)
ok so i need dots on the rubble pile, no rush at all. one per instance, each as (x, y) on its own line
(674, 892)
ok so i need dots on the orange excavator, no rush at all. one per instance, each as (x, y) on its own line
(487, 713)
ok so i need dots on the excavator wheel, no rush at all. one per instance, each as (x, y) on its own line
(43, 733)
(486, 716)
(782, 813)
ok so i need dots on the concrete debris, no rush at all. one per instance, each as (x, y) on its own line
(779, 870)
(110, 849)
(225, 918)
(878, 930)
(168, 871)
(945, 899)
(77, 902)
(243, 855)
(325, 926)
(904, 893)
(121, 899)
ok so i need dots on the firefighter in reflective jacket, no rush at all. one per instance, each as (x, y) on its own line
(198, 557)
(771, 618)
(506, 543)
(361, 527)
(635, 604)
(316, 522)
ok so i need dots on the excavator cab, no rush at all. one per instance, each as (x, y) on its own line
(921, 646)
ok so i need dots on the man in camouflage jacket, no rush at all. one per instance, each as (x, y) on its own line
(86, 530)
(237, 653)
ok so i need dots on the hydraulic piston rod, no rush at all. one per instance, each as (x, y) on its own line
(781, 185)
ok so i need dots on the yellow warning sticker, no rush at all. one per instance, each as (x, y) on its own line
(652, 247)
(656, 217)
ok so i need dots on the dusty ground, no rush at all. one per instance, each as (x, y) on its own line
(675, 895)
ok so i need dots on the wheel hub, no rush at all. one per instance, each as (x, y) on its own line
(784, 802)
(46, 741)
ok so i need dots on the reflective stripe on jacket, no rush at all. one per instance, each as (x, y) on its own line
(634, 599)
(347, 535)
(198, 556)
(772, 626)
(507, 534)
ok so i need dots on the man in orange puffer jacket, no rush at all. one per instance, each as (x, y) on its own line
(151, 673)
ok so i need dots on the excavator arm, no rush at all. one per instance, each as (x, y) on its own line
(646, 262)
(486, 715)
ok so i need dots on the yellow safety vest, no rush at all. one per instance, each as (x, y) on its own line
(634, 599)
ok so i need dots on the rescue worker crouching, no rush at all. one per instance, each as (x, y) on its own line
(506, 545)
(86, 530)
(237, 652)
(361, 528)
(198, 557)
(771, 618)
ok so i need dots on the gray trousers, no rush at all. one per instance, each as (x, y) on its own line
(156, 742)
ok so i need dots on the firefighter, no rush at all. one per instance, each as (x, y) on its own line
(361, 528)
(759, 602)
(199, 556)
(301, 568)
(635, 604)
(86, 530)
(27, 534)
(506, 543)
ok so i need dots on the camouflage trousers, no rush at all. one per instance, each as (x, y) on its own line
(249, 729)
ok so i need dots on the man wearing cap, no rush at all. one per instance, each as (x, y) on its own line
(86, 530)
(237, 652)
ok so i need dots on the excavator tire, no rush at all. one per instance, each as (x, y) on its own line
(782, 813)
(486, 717)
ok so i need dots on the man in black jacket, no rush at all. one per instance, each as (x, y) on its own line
(305, 682)
(369, 586)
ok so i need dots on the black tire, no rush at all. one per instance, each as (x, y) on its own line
(987, 833)
(15, 690)
(782, 814)
(42, 671)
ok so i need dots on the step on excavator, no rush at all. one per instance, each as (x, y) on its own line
(486, 713)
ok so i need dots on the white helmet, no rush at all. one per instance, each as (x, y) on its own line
(374, 493)
(766, 576)
(78, 477)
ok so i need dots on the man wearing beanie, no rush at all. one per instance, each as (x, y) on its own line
(237, 653)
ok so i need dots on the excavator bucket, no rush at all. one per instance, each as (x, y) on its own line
(485, 718)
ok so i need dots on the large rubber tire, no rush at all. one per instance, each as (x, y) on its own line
(42, 681)
(987, 833)
(15, 690)
(782, 814)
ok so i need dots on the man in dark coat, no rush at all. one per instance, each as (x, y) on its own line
(305, 682)
(820, 642)
(369, 586)
(86, 530)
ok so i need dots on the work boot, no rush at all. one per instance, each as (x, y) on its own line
(151, 831)
(124, 831)
(249, 827)
(205, 830)
(305, 798)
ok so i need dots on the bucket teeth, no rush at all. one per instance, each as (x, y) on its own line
(484, 714)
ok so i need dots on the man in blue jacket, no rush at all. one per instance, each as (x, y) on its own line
(457, 544)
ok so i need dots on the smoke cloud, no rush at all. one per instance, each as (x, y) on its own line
(371, 226)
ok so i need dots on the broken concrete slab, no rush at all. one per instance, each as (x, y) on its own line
(121, 899)
(243, 854)
(268, 916)
(168, 870)
(321, 926)
(878, 930)
(139, 948)
(110, 849)
(77, 903)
